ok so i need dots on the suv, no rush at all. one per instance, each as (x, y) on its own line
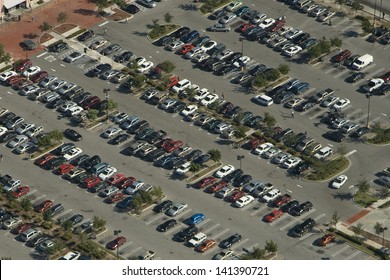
(301, 208)
(303, 228)
(186, 234)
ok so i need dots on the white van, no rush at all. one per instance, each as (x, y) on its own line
(362, 61)
(302, 3)
(323, 153)
(182, 85)
(264, 100)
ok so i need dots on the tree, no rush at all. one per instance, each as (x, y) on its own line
(67, 225)
(4, 56)
(168, 17)
(44, 141)
(167, 66)
(363, 186)
(111, 105)
(47, 215)
(269, 121)
(195, 167)
(98, 223)
(215, 155)
(45, 26)
(155, 22)
(26, 204)
(272, 75)
(101, 4)
(284, 69)
(356, 6)
(271, 246)
(378, 228)
(56, 135)
(336, 42)
(138, 80)
(240, 132)
(342, 149)
(62, 17)
(256, 254)
(121, 3)
(157, 192)
(92, 114)
(384, 193)
(58, 246)
(358, 230)
(334, 220)
(260, 81)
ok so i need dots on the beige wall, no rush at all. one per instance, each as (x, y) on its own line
(27, 4)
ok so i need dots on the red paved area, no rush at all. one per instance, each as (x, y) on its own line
(358, 216)
(80, 12)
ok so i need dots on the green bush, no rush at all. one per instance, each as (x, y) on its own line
(352, 238)
(160, 30)
(81, 31)
(167, 66)
(382, 136)
(211, 5)
(323, 170)
(272, 75)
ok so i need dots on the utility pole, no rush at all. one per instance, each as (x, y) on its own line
(107, 96)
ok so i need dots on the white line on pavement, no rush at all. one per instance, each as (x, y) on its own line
(341, 250)
(319, 217)
(289, 190)
(104, 23)
(210, 229)
(62, 65)
(135, 250)
(353, 255)
(351, 186)
(42, 54)
(288, 225)
(299, 186)
(351, 153)
(258, 211)
(153, 220)
(38, 198)
(219, 234)
(306, 236)
(52, 69)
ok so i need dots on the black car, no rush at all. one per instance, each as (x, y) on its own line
(132, 9)
(301, 168)
(303, 228)
(229, 68)
(55, 103)
(88, 164)
(254, 122)
(56, 209)
(124, 204)
(186, 234)
(139, 126)
(283, 97)
(75, 219)
(233, 112)
(180, 32)
(356, 77)
(72, 134)
(218, 14)
(301, 38)
(7, 117)
(278, 137)
(155, 136)
(216, 50)
(301, 208)
(79, 99)
(101, 68)
(58, 47)
(55, 163)
(124, 57)
(383, 90)
(167, 225)
(336, 136)
(243, 180)
(359, 132)
(235, 175)
(163, 206)
(166, 40)
(193, 154)
(304, 106)
(230, 241)
(8, 136)
(28, 45)
(110, 49)
(155, 155)
(80, 159)
(177, 107)
(98, 188)
(202, 159)
(86, 35)
(80, 178)
(119, 139)
(289, 205)
(258, 69)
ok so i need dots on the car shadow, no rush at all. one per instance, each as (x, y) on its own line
(343, 196)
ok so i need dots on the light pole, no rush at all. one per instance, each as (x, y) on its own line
(107, 96)
(117, 232)
(242, 39)
(368, 95)
(240, 158)
(373, 24)
(383, 229)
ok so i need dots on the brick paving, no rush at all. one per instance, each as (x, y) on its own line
(80, 12)
(357, 216)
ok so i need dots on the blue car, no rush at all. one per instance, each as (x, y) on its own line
(190, 37)
(196, 219)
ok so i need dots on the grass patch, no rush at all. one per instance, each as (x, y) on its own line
(81, 31)
(382, 137)
(204, 172)
(323, 170)
(6, 68)
(385, 205)
(364, 199)
(356, 243)
(159, 31)
(212, 5)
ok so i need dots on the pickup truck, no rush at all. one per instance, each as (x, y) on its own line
(271, 195)
(197, 239)
(148, 255)
(322, 95)
(282, 199)
(386, 171)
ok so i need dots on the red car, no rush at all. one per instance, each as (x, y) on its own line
(44, 159)
(276, 26)
(173, 146)
(117, 242)
(185, 49)
(39, 76)
(385, 77)
(22, 84)
(172, 81)
(205, 182)
(116, 179)
(90, 102)
(245, 26)
(217, 186)
(254, 142)
(11, 81)
(21, 191)
(115, 198)
(326, 239)
(282, 199)
(65, 168)
(90, 182)
(22, 65)
(276, 214)
(236, 195)
(126, 182)
(163, 142)
(342, 56)
(21, 228)
(43, 206)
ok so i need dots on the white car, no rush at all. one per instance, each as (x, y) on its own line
(3, 130)
(109, 191)
(17, 141)
(4, 76)
(194, 52)
(34, 131)
(174, 45)
(209, 99)
(209, 45)
(233, 6)
(258, 18)
(66, 106)
(200, 57)
(291, 51)
(56, 85)
(224, 54)
(107, 173)
(74, 111)
(263, 148)
(342, 103)
(11, 223)
(73, 57)
(242, 61)
(98, 44)
(271, 195)
(373, 84)
(72, 153)
(339, 181)
(111, 131)
(348, 127)
(145, 67)
(271, 153)
(285, 29)
(291, 162)
(190, 109)
(266, 23)
(224, 170)
(109, 74)
(223, 255)
(293, 33)
(139, 60)
(31, 71)
(24, 127)
(329, 101)
(338, 123)
(176, 209)
(71, 256)
(228, 18)
(243, 201)
(281, 157)
(201, 94)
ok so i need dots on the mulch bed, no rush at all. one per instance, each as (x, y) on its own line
(64, 28)
(118, 15)
(45, 37)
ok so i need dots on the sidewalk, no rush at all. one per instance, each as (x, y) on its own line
(80, 12)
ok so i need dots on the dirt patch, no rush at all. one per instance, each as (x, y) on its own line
(45, 37)
(118, 15)
(64, 28)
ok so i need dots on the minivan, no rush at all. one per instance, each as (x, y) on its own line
(323, 153)
(265, 100)
(29, 234)
(99, 168)
(300, 88)
(182, 85)
(302, 145)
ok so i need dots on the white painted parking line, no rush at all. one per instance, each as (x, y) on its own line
(154, 219)
(247, 207)
(42, 54)
(274, 223)
(340, 251)
(354, 113)
(351, 186)
(341, 73)
(124, 247)
(288, 225)
(372, 65)
(251, 248)
(63, 214)
(219, 234)
(38, 198)
(317, 114)
(182, 214)
(341, 22)
(372, 122)
(353, 255)
(331, 70)
(259, 210)
(211, 228)
(179, 225)
(319, 217)
(135, 250)
(9, 92)
(351, 153)
(375, 73)
(240, 244)
(306, 236)
(31, 193)
(104, 23)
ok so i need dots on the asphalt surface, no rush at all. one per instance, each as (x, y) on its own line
(222, 219)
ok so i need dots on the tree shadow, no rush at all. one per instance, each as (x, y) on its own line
(86, 12)
(188, 7)
(30, 36)
(351, 34)
(343, 196)
(141, 34)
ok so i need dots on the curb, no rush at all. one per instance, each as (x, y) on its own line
(48, 151)
(322, 181)
(192, 179)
